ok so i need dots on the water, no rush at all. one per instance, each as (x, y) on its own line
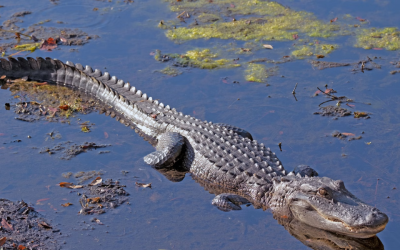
(179, 215)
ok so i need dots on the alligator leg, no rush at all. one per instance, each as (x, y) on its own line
(168, 149)
(227, 202)
(304, 170)
(237, 130)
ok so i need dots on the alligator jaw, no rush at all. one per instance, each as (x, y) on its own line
(373, 223)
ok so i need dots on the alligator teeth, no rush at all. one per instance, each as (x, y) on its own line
(128, 86)
(70, 64)
(156, 102)
(168, 107)
(150, 98)
(144, 96)
(161, 105)
(139, 93)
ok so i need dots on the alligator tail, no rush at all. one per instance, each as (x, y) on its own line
(108, 89)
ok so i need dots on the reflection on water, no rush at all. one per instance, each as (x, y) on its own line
(318, 239)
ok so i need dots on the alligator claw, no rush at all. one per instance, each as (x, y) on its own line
(227, 202)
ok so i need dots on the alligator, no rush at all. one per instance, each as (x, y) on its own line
(221, 156)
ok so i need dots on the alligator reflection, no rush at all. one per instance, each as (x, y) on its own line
(312, 237)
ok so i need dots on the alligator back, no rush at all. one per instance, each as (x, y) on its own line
(213, 153)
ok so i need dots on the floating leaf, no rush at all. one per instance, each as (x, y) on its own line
(98, 221)
(66, 204)
(6, 225)
(143, 185)
(105, 135)
(334, 20)
(320, 56)
(360, 114)
(360, 19)
(44, 225)
(40, 200)
(93, 200)
(96, 181)
(85, 129)
(295, 36)
(21, 247)
(245, 49)
(267, 46)
(3, 241)
(48, 44)
(63, 107)
(368, 143)
(348, 134)
(70, 185)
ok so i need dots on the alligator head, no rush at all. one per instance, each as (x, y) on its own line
(326, 204)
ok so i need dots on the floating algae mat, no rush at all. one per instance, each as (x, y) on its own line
(268, 21)
(273, 22)
(203, 59)
(313, 49)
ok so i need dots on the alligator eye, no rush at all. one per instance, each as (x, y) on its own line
(322, 191)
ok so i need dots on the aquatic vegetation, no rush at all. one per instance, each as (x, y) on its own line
(277, 22)
(267, 20)
(203, 59)
(256, 73)
(387, 38)
(313, 49)
(170, 71)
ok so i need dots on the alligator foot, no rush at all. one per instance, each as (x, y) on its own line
(237, 130)
(168, 149)
(227, 202)
(304, 170)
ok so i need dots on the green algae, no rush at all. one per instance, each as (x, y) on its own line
(256, 73)
(387, 38)
(197, 58)
(313, 49)
(170, 71)
(277, 22)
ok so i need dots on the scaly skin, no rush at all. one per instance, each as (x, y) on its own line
(218, 155)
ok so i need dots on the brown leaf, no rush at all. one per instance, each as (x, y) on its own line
(295, 36)
(21, 247)
(348, 134)
(96, 181)
(360, 19)
(320, 56)
(17, 35)
(105, 135)
(40, 200)
(143, 185)
(48, 44)
(63, 107)
(66, 204)
(6, 225)
(69, 185)
(98, 221)
(3, 241)
(360, 114)
(2, 77)
(245, 49)
(93, 200)
(328, 91)
(334, 19)
(44, 225)
(267, 46)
